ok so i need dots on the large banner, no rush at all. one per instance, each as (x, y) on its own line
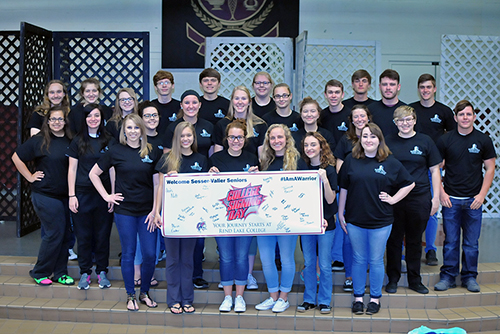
(235, 204)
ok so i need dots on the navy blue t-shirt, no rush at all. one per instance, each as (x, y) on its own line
(204, 135)
(293, 121)
(337, 123)
(383, 116)
(227, 163)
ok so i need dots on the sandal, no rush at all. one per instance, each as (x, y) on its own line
(65, 280)
(135, 307)
(154, 282)
(176, 309)
(188, 308)
(43, 281)
(146, 300)
(137, 282)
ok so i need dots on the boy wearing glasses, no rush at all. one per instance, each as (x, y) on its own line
(283, 114)
(165, 104)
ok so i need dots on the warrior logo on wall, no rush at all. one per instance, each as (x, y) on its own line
(187, 23)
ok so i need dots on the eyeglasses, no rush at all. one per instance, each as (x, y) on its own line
(406, 120)
(262, 83)
(148, 116)
(235, 138)
(282, 96)
(127, 99)
(56, 119)
(164, 83)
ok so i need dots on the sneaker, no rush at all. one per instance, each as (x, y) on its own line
(251, 282)
(324, 309)
(431, 258)
(348, 286)
(471, 285)
(84, 283)
(103, 280)
(305, 306)
(337, 266)
(239, 304)
(280, 305)
(200, 283)
(444, 285)
(403, 266)
(266, 304)
(372, 308)
(226, 305)
(65, 280)
(162, 256)
(220, 286)
(418, 287)
(391, 287)
(72, 255)
(358, 308)
(43, 281)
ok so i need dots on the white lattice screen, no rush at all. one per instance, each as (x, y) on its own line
(238, 59)
(470, 69)
(334, 59)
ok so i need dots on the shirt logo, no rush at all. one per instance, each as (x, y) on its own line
(294, 128)
(255, 133)
(380, 170)
(173, 118)
(416, 151)
(219, 114)
(146, 159)
(342, 127)
(104, 149)
(436, 119)
(196, 166)
(473, 149)
(160, 147)
(246, 168)
(205, 134)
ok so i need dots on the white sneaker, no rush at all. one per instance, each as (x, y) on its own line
(226, 305)
(72, 255)
(280, 305)
(220, 285)
(266, 304)
(252, 283)
(239, 304)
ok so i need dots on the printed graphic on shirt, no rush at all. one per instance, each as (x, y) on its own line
(173, 118)
(294, 128)
(146, 159)
(196, 166)
(436, 119)
(255, 133)
(473, 149)
(380, 170)
(416, 151)
(342, 127)
(219, 114)
(204, 133)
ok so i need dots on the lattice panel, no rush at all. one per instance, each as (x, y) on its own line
(470, 69)
(117, 60)
(330, 59)
(300, 67)
(238, 60)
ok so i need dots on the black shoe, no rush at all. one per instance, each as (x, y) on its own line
(391, 287)
(305, 306)
(337, 266)
(358, 308)
(372, 308)
(200, 283)
(430, 258)
(418, 287)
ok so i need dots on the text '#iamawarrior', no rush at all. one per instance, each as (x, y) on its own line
(298, 178)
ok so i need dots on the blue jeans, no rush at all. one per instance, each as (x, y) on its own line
(138, 253)
(198, 258)
(233, 255)
(324, 244)
(432, 226)
(128, 229)
(461, 216)
(368, 246)
(267, 249)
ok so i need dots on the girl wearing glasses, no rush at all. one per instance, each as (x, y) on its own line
(49, 194)
(126, 103)
(233, 251)
(262, 85)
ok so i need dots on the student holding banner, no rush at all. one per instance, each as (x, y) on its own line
(182, 158)
(233, 251)
(279, 153)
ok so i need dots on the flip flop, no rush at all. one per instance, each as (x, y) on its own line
(154, 282)
(144, 298)
(137, 282)
(188, 308)
(177, 308)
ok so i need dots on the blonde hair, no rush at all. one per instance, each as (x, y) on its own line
(251, 119)
(291, 155)
(173, 159)
(403, 111)
(117, 112)
(145, 147)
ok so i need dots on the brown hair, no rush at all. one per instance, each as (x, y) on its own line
(382, 152)
(161, 75)
(326, 155)
(351, 132)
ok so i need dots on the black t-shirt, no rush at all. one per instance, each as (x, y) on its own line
(277, 164)
(97, 148)
(204, 135)
(434, 121)
(194, 163)
(343, 148)
(293, 121)
(54, 164)
(215, 110)
(364, 179)
(337, 123)
(351, 102)
(134, 177)
(114, 128)
(35, 121)
(417, 154)
(168, 113)
(329, 210)
(383, 116)
(252, 143)
(262, 110)
(227, 163)
(301, 133)
(76, 116)
(156, 141)
(463, 157)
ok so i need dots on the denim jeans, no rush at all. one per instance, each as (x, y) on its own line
(198, 258)
(233, 255)
(432, 226)
(368, 247)
(128, 229)
(138, 253)
(342, 248)
(267, 249)
(461, 216)
(324, 244)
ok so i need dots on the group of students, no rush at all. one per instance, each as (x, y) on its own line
(113, 164)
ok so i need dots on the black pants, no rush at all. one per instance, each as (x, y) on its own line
(92, 224)
(179, 270)
(410, 220)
